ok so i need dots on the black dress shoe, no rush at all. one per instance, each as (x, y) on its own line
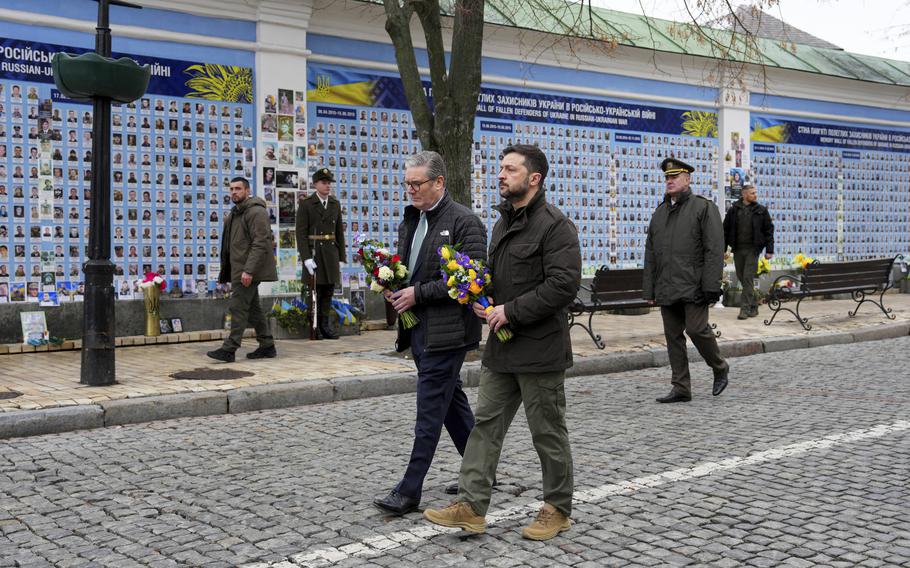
(397, 503)
(262, 353)
(222, 355)
(720, 381)
(674, 396)
(452, 489)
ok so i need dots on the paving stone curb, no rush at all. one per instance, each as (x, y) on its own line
(50, 420)
(163, 407)
(283, 395)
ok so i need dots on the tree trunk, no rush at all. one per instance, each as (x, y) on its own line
(455, 142)
(449, 128)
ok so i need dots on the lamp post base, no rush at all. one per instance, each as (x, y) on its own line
(98, 333)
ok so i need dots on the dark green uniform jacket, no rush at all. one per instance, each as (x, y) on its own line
(314, 219)
(247, 243)
(684, 251)
(535, 261)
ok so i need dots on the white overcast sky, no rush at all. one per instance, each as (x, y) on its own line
(871, 27)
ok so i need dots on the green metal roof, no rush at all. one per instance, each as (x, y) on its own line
(571, 19)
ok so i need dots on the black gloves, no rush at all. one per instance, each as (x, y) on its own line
(709, 297)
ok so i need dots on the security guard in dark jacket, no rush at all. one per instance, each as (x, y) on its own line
(247, 258)
(535, 262)
(446, 331)
(747, 231)
(320, 243)
(684, 262)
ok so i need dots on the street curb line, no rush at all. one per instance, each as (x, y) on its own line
(163, 407)
(50, 420)
(257, 398)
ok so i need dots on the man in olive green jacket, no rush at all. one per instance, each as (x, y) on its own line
(320, 243)
(535, 262)
(247, 258)
(684, 260)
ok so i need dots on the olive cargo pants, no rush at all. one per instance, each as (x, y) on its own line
(498, 399)
(246, 312)
(745, 260)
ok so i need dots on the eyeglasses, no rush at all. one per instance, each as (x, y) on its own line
(414, 185)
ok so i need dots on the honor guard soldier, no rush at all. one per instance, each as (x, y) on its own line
(320, 243)
(684, 263)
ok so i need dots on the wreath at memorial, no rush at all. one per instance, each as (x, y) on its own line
(292, 316)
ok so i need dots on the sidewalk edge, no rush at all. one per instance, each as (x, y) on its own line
(257, 398)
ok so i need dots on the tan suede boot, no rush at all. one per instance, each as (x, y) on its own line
(549, 523)
(458, 514)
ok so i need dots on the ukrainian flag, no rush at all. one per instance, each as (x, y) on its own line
(342, 87)
(769, 130)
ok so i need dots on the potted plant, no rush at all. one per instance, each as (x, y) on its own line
(291, 318)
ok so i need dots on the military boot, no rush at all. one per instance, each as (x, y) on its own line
(325, 330)
(459, 515)
(549, 523)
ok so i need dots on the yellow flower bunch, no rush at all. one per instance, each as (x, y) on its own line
(764, 266)
(803, 260)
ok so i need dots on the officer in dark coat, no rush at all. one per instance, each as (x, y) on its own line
(320, 243)
(684, 263)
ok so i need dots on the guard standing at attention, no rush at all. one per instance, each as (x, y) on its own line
(320, 243)
(684, 263)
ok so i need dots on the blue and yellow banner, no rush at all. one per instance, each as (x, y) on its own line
(31, 61)
(342, 86)
(769, 129)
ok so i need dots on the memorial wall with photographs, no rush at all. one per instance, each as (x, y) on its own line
(283, 162)
(173, 153)
(603, 156)
(836, 192)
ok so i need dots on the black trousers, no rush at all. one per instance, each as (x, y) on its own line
(324, 304)
(440, 402)
(691, 319)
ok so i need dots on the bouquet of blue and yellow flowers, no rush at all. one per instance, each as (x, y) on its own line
(385, 271)
(467, 280)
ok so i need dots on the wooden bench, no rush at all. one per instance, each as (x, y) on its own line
(861, 279)
(609, 290)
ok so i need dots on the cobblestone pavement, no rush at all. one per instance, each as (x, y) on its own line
(804, 461)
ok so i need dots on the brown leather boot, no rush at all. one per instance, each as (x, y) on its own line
(459, 515)
(549, 523)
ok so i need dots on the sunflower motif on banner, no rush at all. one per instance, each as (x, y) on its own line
(220, 83)
(699, 123)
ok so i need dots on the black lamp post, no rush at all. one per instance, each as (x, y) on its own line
(95, 77)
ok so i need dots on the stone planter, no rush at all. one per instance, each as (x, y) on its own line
(905, 286)
(279, 332)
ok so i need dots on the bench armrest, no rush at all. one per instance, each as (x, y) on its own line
(777, 291)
